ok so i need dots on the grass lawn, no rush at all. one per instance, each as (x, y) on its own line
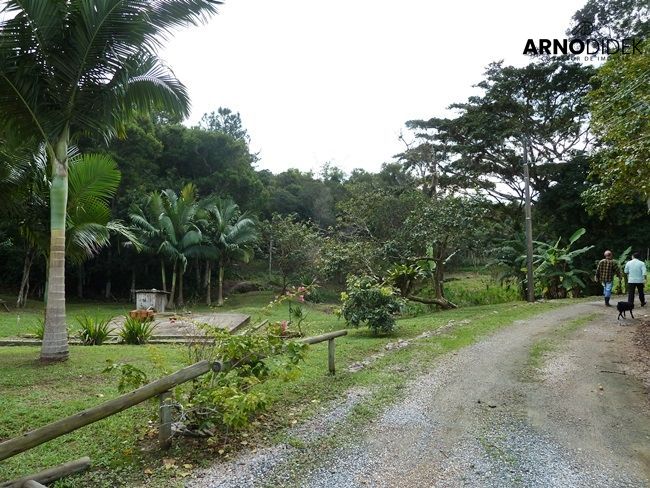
(123, 448)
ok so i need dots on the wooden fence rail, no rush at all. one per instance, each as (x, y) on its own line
(50, 475)
(55, 429)
(161, 388)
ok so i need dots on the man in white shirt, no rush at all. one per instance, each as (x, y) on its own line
(636, 273)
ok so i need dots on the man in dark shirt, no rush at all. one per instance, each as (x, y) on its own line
(605, 274)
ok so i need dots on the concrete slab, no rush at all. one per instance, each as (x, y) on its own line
(186, 324)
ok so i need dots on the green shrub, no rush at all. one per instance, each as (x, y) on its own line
(370, 302)
(93, 331)
(217, 402)
(136, 331)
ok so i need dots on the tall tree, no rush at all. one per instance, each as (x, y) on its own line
(74, 66)
(541, 104)
(619, 105)
(226, 121)
(617, 19)
(181, 235)
(230, 236)
(94, 179)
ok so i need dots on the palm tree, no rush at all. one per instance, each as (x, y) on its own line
(94, 179)
(146, 221)
(69, 67)
(181, 236)
(230, 236)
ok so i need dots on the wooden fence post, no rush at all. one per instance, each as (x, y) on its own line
(165, 431)
(330, 356)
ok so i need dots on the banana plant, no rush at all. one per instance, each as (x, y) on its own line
(555, 271)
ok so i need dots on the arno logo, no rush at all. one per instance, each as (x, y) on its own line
(582, 43)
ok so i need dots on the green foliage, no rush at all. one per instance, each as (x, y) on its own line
(39, 328)
(488, 294)
(556, 273)
(371, 302)
(619, 107)
(136, 331)
(93, 331)
(297, 316)
(481, 148)
(228, 400)
(508, 262)
(294, 247)
(131, 377)
(405, 276)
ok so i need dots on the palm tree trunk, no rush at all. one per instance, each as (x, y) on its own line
(24, 282)
(80, 281)
(164, 274)
(208, 283)
(220, 296)
(197, 274)
(55, 338)
(181, 300)
(171, 295)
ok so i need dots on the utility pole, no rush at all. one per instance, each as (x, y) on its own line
(529, 228)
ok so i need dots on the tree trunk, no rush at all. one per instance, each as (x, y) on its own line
(197, 275)
(163, 274)
(132, 295)
(439, 276)
(181, 301)
(80, 281)
(24, 282)
(109, 283)
(55, 338)
(171, 296)
(442, 302)
(220, 293)
(270, 258)
(208, 283)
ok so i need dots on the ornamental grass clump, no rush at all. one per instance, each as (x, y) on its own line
(93, 331)
(136, 331)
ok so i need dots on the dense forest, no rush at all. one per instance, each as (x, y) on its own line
(453, 197)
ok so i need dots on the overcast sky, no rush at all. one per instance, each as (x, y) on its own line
(334, 81)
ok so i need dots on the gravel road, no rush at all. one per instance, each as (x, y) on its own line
(483, 417)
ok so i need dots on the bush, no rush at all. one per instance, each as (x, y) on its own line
(368, 301)
(216, 402)
(92, 331)
(136, 331)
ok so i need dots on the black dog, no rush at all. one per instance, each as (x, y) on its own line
(623, 307)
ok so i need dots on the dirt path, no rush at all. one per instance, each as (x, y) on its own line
(496, 414)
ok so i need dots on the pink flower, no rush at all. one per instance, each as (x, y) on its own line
(301, 298)
(301, 289)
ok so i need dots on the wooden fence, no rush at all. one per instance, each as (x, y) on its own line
(160, 388)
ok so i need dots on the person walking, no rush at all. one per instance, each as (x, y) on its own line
(605, 274)
(636, 273)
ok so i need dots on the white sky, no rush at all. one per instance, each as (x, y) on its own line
(318, 81)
